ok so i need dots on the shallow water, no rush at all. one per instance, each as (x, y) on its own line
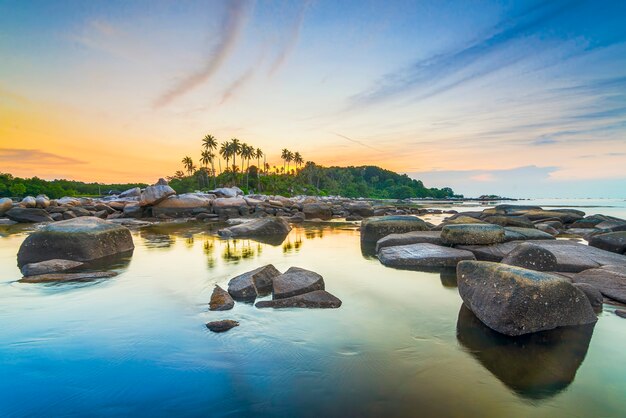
(399, 346)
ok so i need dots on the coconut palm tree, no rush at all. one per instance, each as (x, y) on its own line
(247, 153)
(210, 144)
(235, 150)
(284, 155)
(258, 154)
(297, 158)
(207, 158)
(289, 159)
(225, 152)
(188, 163)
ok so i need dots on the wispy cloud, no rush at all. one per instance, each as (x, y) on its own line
(357, 142)
(35, 156)
(238, 84)
(292, 40)
(233, 25)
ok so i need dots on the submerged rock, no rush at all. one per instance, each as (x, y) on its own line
(50, 266)
(614, 242)
(422, 255)
(220, 300)
(609, 280)
(222, 326)
(415, 237)
(531, 256)
(28, 215)
(68, 277)
(373, 229)
(81, 239)
(316, 299)
(265, 226)
(296, 281)
(472, 234)
(248, 285)
(516, 301)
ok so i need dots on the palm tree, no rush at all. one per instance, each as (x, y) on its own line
(208, 157)
(297, 158)
(289, 159)
(258, 154)
(284, 156)
(235, 149)
(188, 163)
(225, 152)
(210, 144)
(247, 153)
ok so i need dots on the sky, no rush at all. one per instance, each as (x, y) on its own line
(517, 98)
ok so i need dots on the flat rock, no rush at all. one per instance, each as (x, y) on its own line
(531, 256)
(609, 280)
(50, 266)
(614, 242)
(512, 233)
(220, 300)
(422, 255)
(315, 299)
(28, 215)
(182, 204)
(375, 228)
(222, 326)
(252, 283)
(516, 301)
(296, 281)
(414, 237)
(271, 225)
(6, 222)
(472, 234)
(68, 277)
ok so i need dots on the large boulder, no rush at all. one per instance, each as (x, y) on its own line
(5, 205)
(135, 192)
(513, 233)
(415, 237)
(320, 299)
(516, 301)
(613, 241)
(50, 266)
(28, 202)
(321, 211)
(363, 209)
(27, 215)
(609, 280)
(531, 256)
(220, 300)
(228, 192)
(156, 193)
(249, 285)
(42, 201)
(183, 204)
(373, 229)
(422, 255)
(296, 281)
(258, 227)
(81, 239)
(472, 234)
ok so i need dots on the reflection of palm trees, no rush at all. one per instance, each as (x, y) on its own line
(245, 251)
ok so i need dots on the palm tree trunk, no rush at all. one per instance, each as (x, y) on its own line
(213, 172)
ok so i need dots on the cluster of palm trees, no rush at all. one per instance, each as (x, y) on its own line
(230, 150)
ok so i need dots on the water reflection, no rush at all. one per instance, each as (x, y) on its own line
(535, 366)
(292, 245)
(448, 277)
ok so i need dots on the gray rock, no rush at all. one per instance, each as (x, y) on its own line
(220, 300)
(609, 280)
(81, 239)
(156, 193)
(42, 201)
(321, 211)
(317, 299)
(621, 313)
(548, 229)
(227, 192)
(531, 256)
(422, 255)
(222, 326)
(250, 284)
(373, 229)
(182, 204)
(27, 215)
(68, 277)
(472, 234)
(6, 222)
(296, 281)
(5, 205)
(512, 233)
(363, 209)
(415, 237)
(49, 266)
(28, 202)
(514, 221)
(134, 192)
(516, 301)
(258, 227)
(614, 242)
(133, 210)
(593, 295)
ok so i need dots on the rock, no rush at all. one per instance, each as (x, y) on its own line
(621, 313)
(507, 209)
(609, 280)
(155, 194)
(517, 301)
(258, 227)
(321, 211)
(221, 300)
(316, 299)
(49, 266)
(613, 241)
(373, 229)
(5, 205)
(256, 282)
(512, 233)
(81, 239)
(531, 256)
(68, 201)
(472, 234)
(563, 215)
(548, 229)
(134, 192)
(297, 217)
(27, 215)
(133, 210)
(459, 219)
(6, 222)
(514, 221)
(415, 237)
(28, 202)
(593, 295)
(205, 217)
(68, 277)
(182, 204)
(227, 192)
(422, 255)
(42, 201)
(362, 209)
(296, 281)
(222, 326)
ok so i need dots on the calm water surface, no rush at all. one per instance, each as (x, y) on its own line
(399, 346)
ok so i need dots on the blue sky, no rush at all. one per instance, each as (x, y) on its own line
(501, 97)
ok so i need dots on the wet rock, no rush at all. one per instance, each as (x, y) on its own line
(613, 241)
(373, 229)
(68, 277)
(621, 313)
(422, 255)
(512, 233)
(206, 217)
(182, 204)
(563, 215)
(49, 266)
(133, 210)
(81, 239)
(321, 211)
(296, 281)
(227, 192)
(264, 226)
(609, 280)
(513, 221)
(6, 222)
(517, 301)
(5, 205)
(415, 237)
(297, 217)
(222, 326)
(472, 234)
(156, 193)
(320, 299)
(221, 300)
(250, 284)
(593, 295)
(531, 256)
(548, 229)
(28, 215)
(28, 202)
(362, 209)
(460, 219)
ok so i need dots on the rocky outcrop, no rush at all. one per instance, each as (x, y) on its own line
(227, 192)
(321, 211)
(296, 281)
(375, 228)
(609, 280)
(220, 300)
(422, 255)
(222, 326)
(318, 299)
(182, 205)
(613, 241)
(472, 234)
(517, 301)
(415, 237)
(272, 226)
(82, 239)
(257, 282)
(50, 266)
(593, 295)
(28, 215)
(531, 256)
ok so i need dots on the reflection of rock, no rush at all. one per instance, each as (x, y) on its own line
(49, 266)
(448, 277)
(270, 226)
(535, 366)
(69, 277)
